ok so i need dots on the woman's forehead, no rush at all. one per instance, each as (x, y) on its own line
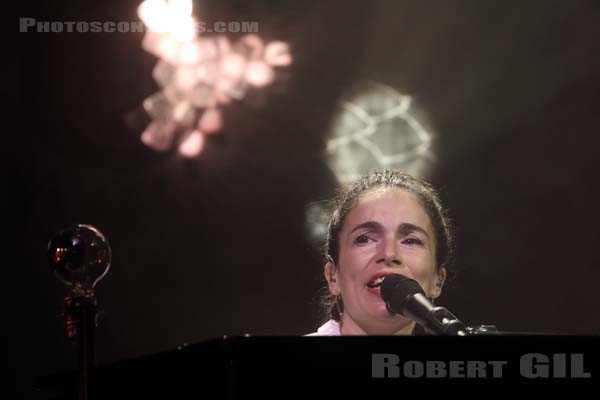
(388, 206)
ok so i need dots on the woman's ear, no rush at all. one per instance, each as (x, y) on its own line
(330, 272)
(440, 278)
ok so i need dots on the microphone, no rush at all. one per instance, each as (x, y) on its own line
(406, 297)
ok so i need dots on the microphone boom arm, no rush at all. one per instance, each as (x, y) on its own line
(440, 321)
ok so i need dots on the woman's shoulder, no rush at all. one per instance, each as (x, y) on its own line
(329, 328)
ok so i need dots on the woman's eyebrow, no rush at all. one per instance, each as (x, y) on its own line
(404, 229)
(376, 226)
(407, 228)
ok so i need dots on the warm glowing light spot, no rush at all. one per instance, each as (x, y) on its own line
(185, 78)
(233, 65)
(192, 145)
(158, 136)
(278, 54)
(259, 73)
(152, 13)
(173, 17)
(184, 30)
(211, 121)
(189, 53)
(182, 8)
(252, 45)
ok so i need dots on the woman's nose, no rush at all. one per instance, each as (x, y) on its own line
(390, 254)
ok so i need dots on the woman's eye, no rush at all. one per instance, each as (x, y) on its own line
(362, 239)
(412, 241)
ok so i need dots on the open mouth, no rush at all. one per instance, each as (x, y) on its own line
(376, 282)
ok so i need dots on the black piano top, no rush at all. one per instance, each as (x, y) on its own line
(317, 367)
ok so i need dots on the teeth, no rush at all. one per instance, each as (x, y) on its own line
(376, 282)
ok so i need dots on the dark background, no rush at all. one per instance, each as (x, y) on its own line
(218, 245)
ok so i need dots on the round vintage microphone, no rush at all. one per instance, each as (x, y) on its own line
(406, 297)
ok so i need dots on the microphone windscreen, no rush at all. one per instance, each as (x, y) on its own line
(399, 287)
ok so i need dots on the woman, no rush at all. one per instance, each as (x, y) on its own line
(387, 222)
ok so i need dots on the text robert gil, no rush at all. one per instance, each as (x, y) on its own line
(531, 365)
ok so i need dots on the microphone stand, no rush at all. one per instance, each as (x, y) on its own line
(491, 330)
(443, 322)
(80, 321)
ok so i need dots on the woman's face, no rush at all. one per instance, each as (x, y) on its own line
(387, 232)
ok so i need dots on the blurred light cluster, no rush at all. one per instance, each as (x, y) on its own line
(198, 74)
(376, 128)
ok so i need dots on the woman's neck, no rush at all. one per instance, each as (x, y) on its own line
(349, 327)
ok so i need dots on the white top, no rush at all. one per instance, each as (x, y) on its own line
(329, 328)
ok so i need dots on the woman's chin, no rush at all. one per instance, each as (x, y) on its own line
(380, 310)
(377, 309)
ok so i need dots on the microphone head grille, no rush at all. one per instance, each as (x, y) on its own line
(399, 286)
